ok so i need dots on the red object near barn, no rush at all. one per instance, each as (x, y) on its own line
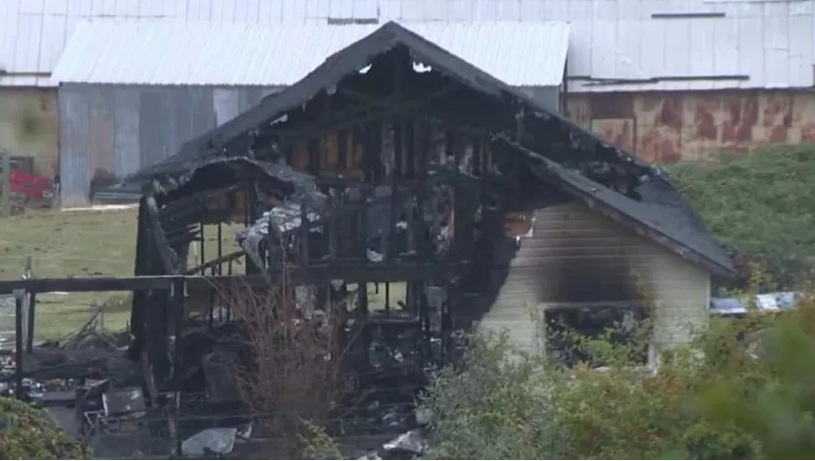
(28, 190)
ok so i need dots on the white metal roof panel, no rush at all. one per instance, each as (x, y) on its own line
(173, 53)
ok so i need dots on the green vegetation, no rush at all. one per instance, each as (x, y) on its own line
(721, 398)
(28, 433)
(77, 243)
(68, 244)
(759, 204)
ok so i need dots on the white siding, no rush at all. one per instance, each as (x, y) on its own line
(576, 255)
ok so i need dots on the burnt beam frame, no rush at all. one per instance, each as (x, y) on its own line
(313, 274)
(389, 108)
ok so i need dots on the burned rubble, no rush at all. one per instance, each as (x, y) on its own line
(383, 196)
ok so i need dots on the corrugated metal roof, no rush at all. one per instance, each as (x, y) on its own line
(33, 33)
(769, 42)
(171, 53)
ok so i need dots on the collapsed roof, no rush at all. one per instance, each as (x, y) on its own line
(648, 203)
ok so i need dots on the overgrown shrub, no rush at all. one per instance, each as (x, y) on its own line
(28, 433)
(744, 390)
(759, 205)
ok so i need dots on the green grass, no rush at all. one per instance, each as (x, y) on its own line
(79, 244)
(70, 244)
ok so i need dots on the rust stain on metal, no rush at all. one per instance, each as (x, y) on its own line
(670, 113)
(611, 105)
(777, 110)
(808, 132)
(668, 127)
(660, 144)
(704, 118)
(740, 112)
(619, 131)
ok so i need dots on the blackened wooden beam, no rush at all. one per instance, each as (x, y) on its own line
(424, 315)
(391, 240)
(304, 256)
(323, 273)
(377, 151)
(220, 247)
(342, 150)
(178, 294)
(19, 296)
(165, 251)
(332, 227)
(215, 263)
(314, 164)
(178, 209)
(32, 312)
(478, 152)
(203, 245)
(356, 118)
(448, 311)
(409, 147)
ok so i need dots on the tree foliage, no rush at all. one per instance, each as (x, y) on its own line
(29, 433)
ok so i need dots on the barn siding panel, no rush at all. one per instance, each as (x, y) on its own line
(108, 132)
(691, 126)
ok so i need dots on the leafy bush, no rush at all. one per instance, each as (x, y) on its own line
(744, 390)
(28, 433)
(758, 204)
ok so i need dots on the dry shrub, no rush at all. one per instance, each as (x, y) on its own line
(292, 379)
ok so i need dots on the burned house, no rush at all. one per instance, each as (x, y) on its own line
(398, 165)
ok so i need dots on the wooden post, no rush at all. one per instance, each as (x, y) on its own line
(177, 300)
(424, 315)
(19, 298)
(32, 303)
(448, 310)
(5, 184)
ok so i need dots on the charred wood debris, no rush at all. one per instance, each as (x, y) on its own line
(394, 179)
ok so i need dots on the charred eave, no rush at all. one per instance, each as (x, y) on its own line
(650, 221)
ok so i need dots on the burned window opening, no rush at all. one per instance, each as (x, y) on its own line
(568, 327)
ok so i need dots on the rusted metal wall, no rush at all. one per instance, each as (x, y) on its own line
(668, 127)
(574, 255)
(110, 131)
(28, 126)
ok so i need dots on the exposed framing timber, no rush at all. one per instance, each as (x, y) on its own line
(315, 274)
(391, 107)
